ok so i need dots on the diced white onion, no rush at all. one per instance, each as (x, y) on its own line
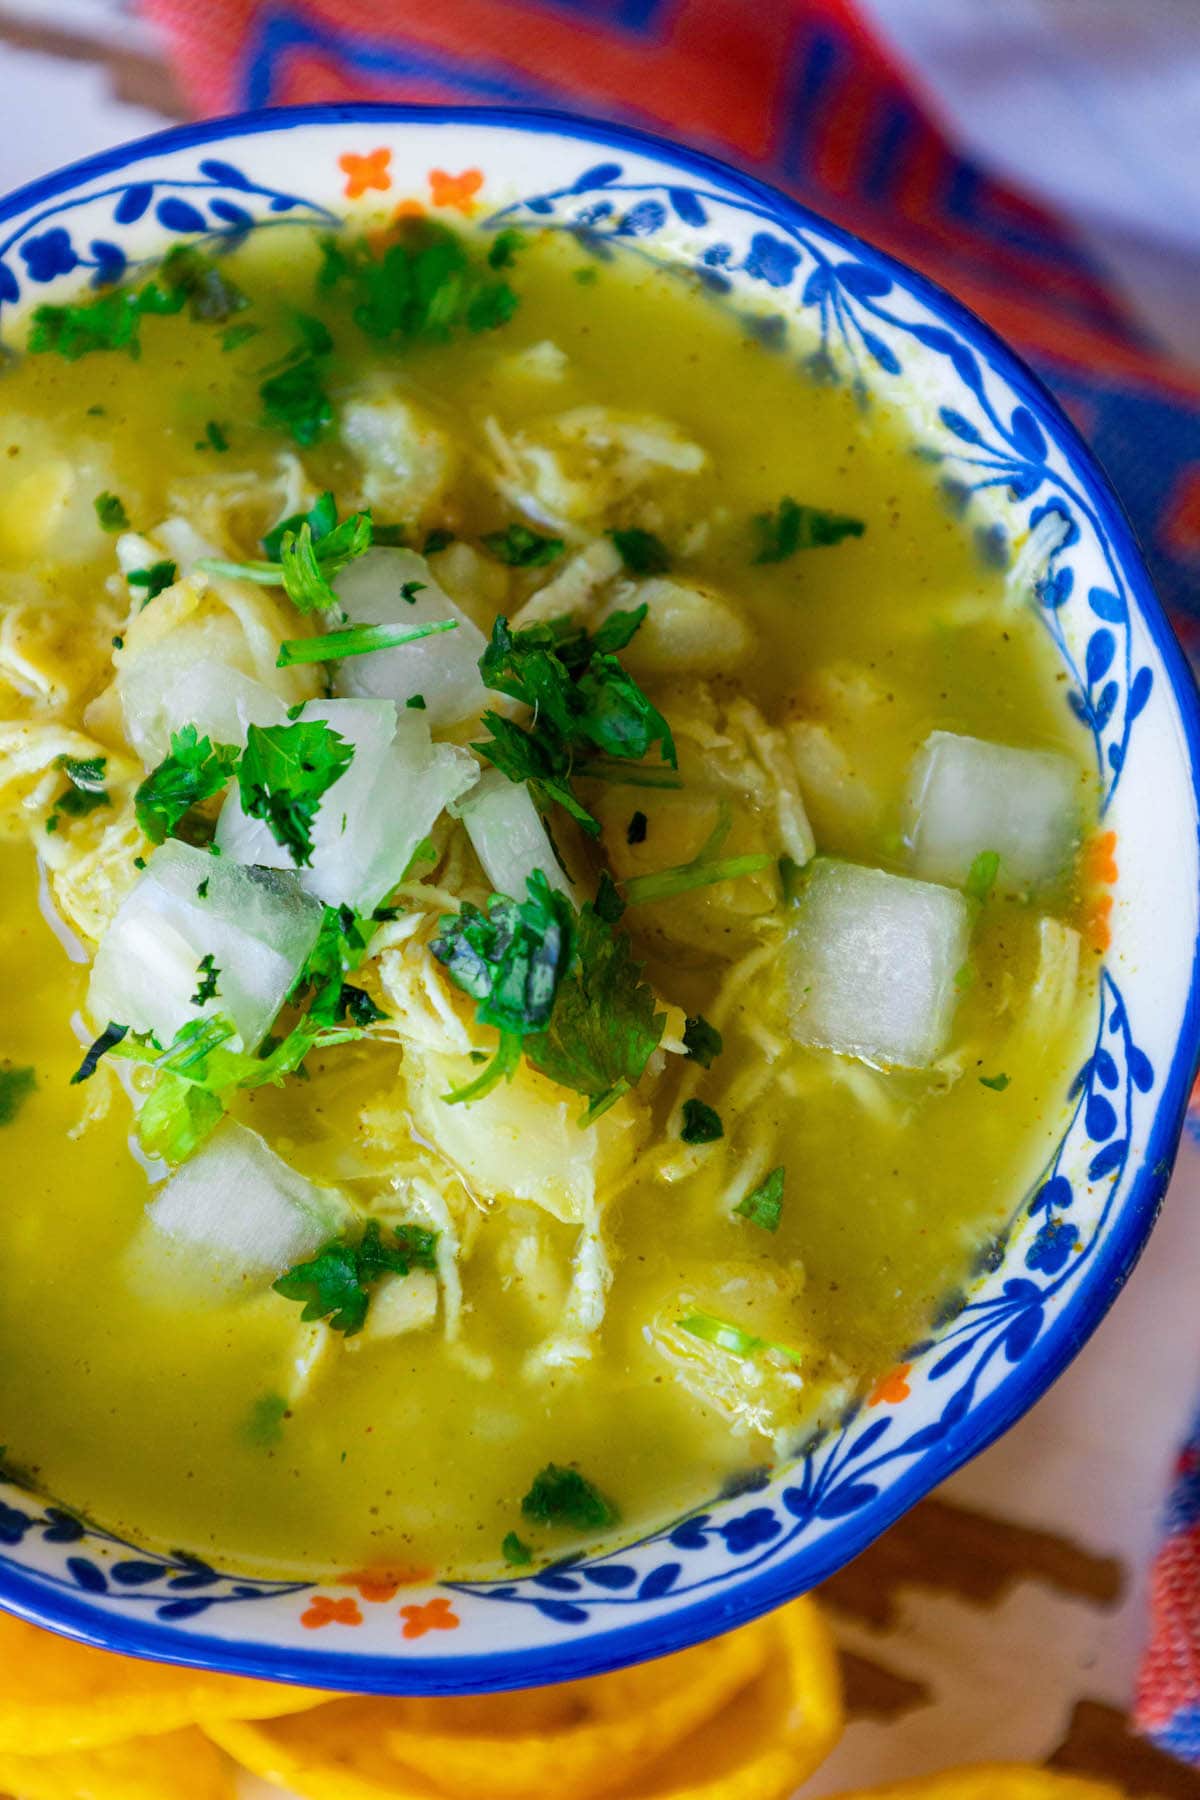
(257, 926)
(509, 835)
(969, 795)
(873, 961)
(242, 1207)
(443, 669)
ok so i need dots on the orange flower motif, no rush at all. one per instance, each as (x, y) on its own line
(322, 1610)
(379, 1585)
(1098, 926)
(893, 1388)
(435, 1615)
(408, 209)
(455, 190)
(363, 172)
(1100, 861)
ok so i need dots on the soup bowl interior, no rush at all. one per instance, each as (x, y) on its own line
(834, 309)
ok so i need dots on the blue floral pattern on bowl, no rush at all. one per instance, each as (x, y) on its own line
(1008, 459)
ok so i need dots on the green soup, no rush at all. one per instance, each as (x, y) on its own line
(723, 842)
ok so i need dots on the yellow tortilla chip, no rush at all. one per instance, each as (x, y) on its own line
(778, 1716)
(56, 1695)
(617, 1723)
(993, 1781)
(179, 1765)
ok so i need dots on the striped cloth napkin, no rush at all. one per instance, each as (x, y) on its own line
(802, 94)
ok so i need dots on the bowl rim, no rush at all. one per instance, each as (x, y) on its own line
(594, 1651)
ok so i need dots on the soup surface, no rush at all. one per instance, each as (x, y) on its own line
(763, 1040)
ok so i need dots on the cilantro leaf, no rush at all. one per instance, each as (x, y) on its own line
(357, 1005)
(793, 527)
(604, 1027)
(424, 285)
(292, 391)
(562, 1496)
(86, 791)
(504, 246)
(111, 512)
(335, 1284)
(16, 1085)
(304, 553)
(764, 1203)
(206, 987)
(112, 321)
(522, 548)
(515, 1551)
(997, 1083)
(321, 518)
(641, 552)
(701, 1124)
(158, 576)
(340, 947)
(215, 437)
(702, 1042)
(981, 876)
(511, 960)
(195, 770)
(108, 1040)
(187, 274)
(635, 831)
(284, 774)
(176, 1117)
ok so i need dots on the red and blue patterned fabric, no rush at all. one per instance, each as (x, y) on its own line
(799, 93)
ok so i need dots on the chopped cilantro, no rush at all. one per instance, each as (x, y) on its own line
(86, 791)
(358, 1006)
(393, 536)
(112, 321)
(264, 1425)
(284, 774)
(16, 1085)
(215, 437)
(321, 518)
(515, 1552)
(187, 274)
(195, 770)
(504, 247)
(728, 1336)
(641, 552)
(997, 1083)
(609, 905)
(158, 576)
(635, 831)
(239, 334)
(424, 285)
(702, 1041)
(522, 548)
(176, 1117)
(335, 1284)
(293, 392)
(415, 703)
(562, 1496)
(764, 1203)
(701, 1124)
(511, 959)
(436, 540)
(304, 553)
(410, 589)
(356, 640)
(118, 643)
(981, 876)
(202, 889)
(109, 1038)
(207, 988)
(793, 527)
(110, 512)
(340, 947)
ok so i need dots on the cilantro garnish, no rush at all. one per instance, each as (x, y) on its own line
(341, 945)
(522, 548)
(285, 772)
(701, 1124)
(158, 576)
(357, 1006)
(415, 703)
(764, 1203)
(16, 1085)
(702, 1041)
(215, 437)
(109, 1038)
(356, 640)
(86, 791)
(195, 770)
(793, 527)
(504, 246)
(304, 553)
(561, 1496)
(436, 540)
(335, 1284)
(112, 321)
(111, 512)
(293, 389)
(997, 1083)
(515, 1551)
(981, 876)
(511, 959)
(238, 335)
(176, 1117)
(582, 701)
(206, 988)
(188, 275)
(641, 552)
(425, 285)
(635, 831)
(728, 1336)
(264, 1424)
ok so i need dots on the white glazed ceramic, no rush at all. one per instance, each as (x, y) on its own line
(845, 312)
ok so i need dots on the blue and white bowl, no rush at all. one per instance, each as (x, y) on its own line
(831, 302)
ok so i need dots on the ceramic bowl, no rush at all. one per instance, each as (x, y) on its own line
(1010, 460)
